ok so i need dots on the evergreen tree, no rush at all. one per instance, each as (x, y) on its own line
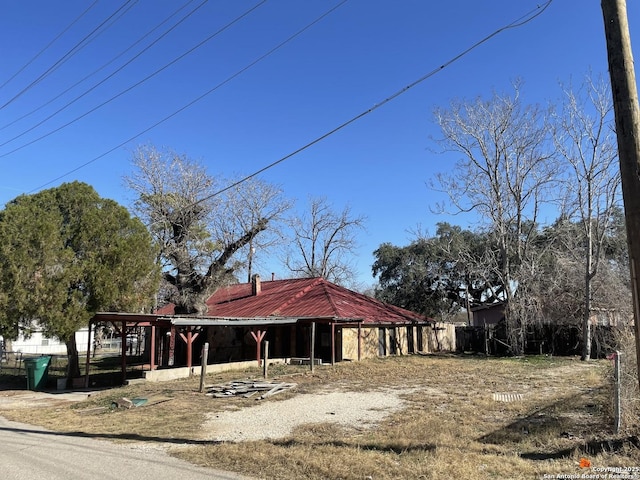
(66, 254)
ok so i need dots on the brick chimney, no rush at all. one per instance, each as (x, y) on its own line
(256, 287)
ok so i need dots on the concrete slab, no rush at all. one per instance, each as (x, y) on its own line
(10, 399)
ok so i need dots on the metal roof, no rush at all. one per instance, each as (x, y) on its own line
(247, 322)
(306, 298)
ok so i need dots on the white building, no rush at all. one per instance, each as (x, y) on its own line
(38, 344)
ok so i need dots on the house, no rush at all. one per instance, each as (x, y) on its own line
(37, 343)
(302, 319)
(348, 325)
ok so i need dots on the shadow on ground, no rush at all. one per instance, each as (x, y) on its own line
(113, 436)
(577, 419)
(389, 448)
(594, 447)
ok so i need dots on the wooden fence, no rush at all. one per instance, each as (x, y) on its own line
(540, 339)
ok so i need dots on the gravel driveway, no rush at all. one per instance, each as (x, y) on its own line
(276, 419)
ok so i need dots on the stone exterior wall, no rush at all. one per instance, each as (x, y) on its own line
(350, 343)
(441, 338)
(399, 340)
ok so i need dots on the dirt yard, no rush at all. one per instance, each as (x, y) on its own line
(400, 417)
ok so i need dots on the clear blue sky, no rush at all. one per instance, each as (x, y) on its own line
(354, 58)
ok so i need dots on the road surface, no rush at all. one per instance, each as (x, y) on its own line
(32, 453)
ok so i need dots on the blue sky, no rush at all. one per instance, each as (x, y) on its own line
(352, 59)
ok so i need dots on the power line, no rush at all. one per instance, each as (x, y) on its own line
(76, 48)
(46, 47)
(98, 69)
(86, 92)
(197, 99)
(524, 19)
(126, 90)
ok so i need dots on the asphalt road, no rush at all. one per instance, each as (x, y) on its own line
(31, 453)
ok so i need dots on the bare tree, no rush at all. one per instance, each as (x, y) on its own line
(505, 176)
(256, 199)
(199, 227)
(324, 241)
(585, 139)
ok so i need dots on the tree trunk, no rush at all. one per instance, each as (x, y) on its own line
(73, 362)
(586, 321)
(586, 316)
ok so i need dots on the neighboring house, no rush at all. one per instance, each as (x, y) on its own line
(300, 318)
(489, 314)
(493, 313)
(607, 317)
(38, 344)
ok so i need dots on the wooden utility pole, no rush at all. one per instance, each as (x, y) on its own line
(627, 115)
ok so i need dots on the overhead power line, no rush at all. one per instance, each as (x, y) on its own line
(126, 90)
(46, 47)
(524, 19)
(105, 65)
(112, 74)
(76, 48)
(197, 99)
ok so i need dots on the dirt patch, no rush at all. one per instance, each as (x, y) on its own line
(275, 420)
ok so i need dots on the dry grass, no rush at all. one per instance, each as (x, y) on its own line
(629, 390)
(451, 426)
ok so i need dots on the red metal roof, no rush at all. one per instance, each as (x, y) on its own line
(305, 298)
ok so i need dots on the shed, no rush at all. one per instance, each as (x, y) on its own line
(488, 314)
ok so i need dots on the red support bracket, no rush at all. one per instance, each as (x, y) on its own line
(189, 338)
(258, 335)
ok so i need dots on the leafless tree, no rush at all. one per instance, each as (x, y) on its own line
(256, 199)
(585, 139)
(506, 173)
(199, 223)
(324, 242)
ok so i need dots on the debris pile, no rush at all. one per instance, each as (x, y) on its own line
(124, 402)
(248, 388)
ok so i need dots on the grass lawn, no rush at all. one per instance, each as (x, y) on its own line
(465, 417)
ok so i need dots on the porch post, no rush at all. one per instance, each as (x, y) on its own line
(123, 348)
(172, 346)
(359, 341)
(152, 355)
(333, 343)
(313, 345)
(258, 335)
(189, 349)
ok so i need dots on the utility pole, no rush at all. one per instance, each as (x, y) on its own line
(627, 115)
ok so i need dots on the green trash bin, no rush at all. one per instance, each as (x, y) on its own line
(37, 372)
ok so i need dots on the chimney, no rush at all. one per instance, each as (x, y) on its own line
(273, 276)
(256, 288)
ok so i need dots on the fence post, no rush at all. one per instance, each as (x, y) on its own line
(203, 367)
(265, 362)
(617, 395)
